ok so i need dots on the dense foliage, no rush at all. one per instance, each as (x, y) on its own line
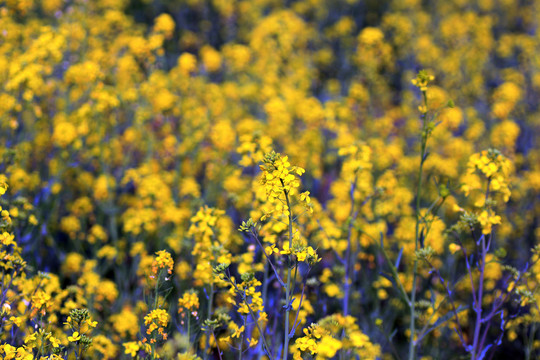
(258, 179)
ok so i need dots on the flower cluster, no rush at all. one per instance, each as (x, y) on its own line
(138, 136)
(280, 180)
(164, 261)
(157, 320)
(189, 301)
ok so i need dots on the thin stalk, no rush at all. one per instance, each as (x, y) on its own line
(451, 301)
(2, 291)
(217, 344)
(252, 316)
(352, 218)
(479, 298)
(346, 280)
(79, 342)
(465, 255)
(264, 293)
(478, 304)
(288, 287)
(412, 343)
(267, 258)
(530, 341)
(209, 312)
(240, 352)
(189, 327)
(393, 270)
(156, 290)
(532, 333)
(426, 329)
(392, 347)
(4, 294)
(296, 322)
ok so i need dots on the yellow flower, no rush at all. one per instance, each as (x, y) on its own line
(75, 337)
(422, 80)
(189, 301)
(164, 23)
(3, 187)
(332, 290)
(305, 197)
(131, 348)
(54, 341)
(271, 249)
(252, 342)
(370, 36)
(187, 63)
(237, 331)
(163, 260)
(454, 248)
(487, 220)
(156, 320)
(286, 250)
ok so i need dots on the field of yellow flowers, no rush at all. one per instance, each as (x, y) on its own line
(269, 180)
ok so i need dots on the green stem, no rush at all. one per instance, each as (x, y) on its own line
(476, 349)
(530, 341)
(156, 290)
(189, 328)
(412, 342)
(264, 293)
(346, 280)
(478, 305)
(288, 287)
(261, 334)
(79, 342)
(240, 352)
(209, 312)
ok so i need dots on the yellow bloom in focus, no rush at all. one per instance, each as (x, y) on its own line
(280, 180)
(163, 261)
(494, 166)
(75, 337)
(156, 320)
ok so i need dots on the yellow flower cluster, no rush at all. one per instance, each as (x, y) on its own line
(491, 163)
(157, 319)
(280, 181)
(163, 260)
(279, 176)
(422, 80)
(302, 252)
(189, 301)
(132, 134)
(497, 169)
(325, 340)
